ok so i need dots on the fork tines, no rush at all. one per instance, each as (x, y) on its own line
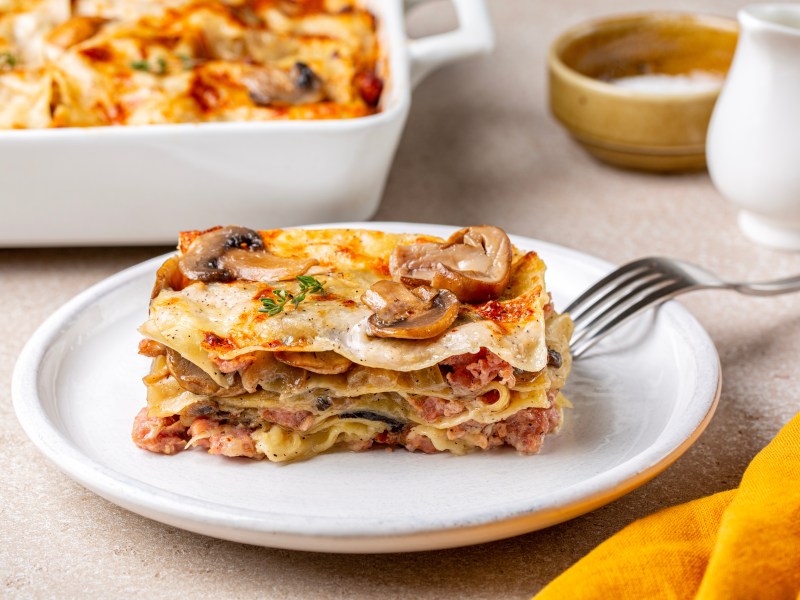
(622, 294)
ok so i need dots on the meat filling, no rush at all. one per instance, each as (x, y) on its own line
(432, 408)
(223, 438)
(470, 373)
(299, 420)
(467, 375)
(525, 430)
(163, 435)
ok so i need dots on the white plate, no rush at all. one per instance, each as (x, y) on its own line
(640, 400)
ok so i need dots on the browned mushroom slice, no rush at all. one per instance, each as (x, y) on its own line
(324, 363)
(474, 264)
(416, 314)
(270, 85)
(263, 266)
(272, 375)
(151, 348)
(193, 379)
(231, 253)
(169, 277)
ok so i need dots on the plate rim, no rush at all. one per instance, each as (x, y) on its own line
(244, 525)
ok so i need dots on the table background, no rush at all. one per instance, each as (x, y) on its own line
(479, 147)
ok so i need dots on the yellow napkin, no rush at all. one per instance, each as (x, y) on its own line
(743, 543)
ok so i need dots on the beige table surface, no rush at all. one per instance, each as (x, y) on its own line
(479, 147)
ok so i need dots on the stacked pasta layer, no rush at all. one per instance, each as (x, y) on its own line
(283, 344)
(87, 63)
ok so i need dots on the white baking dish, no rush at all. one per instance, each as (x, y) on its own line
(142, 184)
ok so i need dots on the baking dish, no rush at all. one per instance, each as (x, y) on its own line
(142, 184)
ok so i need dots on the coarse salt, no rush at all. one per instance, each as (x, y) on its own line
(662, 83)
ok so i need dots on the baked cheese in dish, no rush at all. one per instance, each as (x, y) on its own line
(86, 63)
(283, 344)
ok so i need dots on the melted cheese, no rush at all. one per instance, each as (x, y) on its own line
(350, 262)
(133, 62)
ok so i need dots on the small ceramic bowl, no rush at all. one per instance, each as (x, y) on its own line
(676, 63)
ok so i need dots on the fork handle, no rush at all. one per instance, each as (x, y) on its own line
(769, 288)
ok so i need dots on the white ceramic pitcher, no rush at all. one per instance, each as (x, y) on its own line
(753, 145)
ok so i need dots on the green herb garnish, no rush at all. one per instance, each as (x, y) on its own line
(187, 62)
(7, 60)
(273, 307)
(308, 285)
(160, 67)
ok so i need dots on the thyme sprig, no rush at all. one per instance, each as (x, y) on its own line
(159, 68)
(271, 306)
(187, 61)
(7, 60)
(308, 285)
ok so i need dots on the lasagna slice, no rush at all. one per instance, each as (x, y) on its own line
(287, 343)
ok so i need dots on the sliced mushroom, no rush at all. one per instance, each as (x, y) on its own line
(323, 403)
(522, 378)
(395, 425)
(169, 277)
(474, 264)
(272, 375)
(401, 313)
(554, 359)
(151, 348)
(270, 85)
(263, 266)
(324, 363)
(193, 379)
(231, 253)
(201, 409)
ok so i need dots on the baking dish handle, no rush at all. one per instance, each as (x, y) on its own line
(473, 36)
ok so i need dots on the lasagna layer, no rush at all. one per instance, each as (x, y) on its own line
(239, 381)
(121, 62)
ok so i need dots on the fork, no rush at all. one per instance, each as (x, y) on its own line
(636, 286)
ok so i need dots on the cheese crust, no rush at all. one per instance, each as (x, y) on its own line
(91, 63)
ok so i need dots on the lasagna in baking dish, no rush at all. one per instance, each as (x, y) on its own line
(287, 343)
(83, 63)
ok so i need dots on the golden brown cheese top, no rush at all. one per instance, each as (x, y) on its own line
(222, 320)
(132, 62)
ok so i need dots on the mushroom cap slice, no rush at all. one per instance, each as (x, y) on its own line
(271, 85)
(263, 266)
(169, 277)
(193, 379)
(474, 264)
(231, 253)
(324, 363)
(405, 314)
